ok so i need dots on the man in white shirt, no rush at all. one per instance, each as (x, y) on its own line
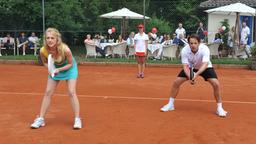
(245, 32)
(197, 55)
(180, 30)
(32, 42)
(33, 39)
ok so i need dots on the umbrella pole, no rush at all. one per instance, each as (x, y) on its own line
(123, 33)
(236, 41)
(123, 27)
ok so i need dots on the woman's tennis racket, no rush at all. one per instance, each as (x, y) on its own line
(51, 66)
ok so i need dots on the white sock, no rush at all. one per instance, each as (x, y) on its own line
(219, 105)
(41, 118)
(171, 100)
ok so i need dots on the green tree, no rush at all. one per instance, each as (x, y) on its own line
(161, 25)
(175, 11)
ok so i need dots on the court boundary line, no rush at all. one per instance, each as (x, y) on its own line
(131, 98)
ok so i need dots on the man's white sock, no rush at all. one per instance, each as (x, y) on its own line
(219, 105)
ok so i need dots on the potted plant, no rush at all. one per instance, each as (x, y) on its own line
(253, 58)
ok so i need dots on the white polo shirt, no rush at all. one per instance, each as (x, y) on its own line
(179, 31)
(140, 42)
(197, 59)
(244, 34)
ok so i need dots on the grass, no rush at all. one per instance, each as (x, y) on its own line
(20, 57)
(81, 58)
(79, 53)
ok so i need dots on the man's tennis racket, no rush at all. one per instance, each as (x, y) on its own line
(191, 74)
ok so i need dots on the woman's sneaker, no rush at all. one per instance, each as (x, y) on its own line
(168, 107)
(78, 123)
(221, 112)
(38, 122)
(142, 75)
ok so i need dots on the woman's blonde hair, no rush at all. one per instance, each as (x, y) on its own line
(61, 47)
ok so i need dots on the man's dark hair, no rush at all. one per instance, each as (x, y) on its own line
(195, 36)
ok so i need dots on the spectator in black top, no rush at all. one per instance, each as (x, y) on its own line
(200, 31)
(23, 41)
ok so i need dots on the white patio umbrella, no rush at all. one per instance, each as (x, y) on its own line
(123, 14)
(238, 9)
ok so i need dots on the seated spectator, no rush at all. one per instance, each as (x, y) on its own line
(88, 40)
(103, 39)
(1, 45)
(175, 40)
(8, 41)
(167, 40)
(120, 39)
(152, 38)
(182, 40)
(23, 41)
(97, 40)
(32, 40)
(162, 38)
(217, 38)
(130, 40)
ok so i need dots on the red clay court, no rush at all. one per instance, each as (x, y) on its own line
(118, 108)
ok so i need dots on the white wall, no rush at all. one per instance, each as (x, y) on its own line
(214, 23)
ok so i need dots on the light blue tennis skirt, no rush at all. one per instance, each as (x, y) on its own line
(71, 73)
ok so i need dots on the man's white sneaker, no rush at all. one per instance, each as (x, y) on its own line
(38, 122)
(168, 107)
(78, 123)
(221, 112)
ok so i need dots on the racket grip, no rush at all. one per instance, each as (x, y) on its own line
(191, 76)
(192, 82)
(53, 73)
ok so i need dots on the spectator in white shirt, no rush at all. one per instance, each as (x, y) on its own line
(180, 30)
(32, 42)
(33, 39)
(245, 32)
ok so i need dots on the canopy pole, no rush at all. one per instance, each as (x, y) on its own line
(43, 16)
(123, 28)
(236, 41)
(144, 23)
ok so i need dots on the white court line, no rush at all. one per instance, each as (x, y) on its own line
(132, 98)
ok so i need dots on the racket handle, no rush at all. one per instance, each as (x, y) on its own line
(53, 73)
(191, 76)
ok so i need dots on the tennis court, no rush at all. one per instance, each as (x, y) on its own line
(118, 108)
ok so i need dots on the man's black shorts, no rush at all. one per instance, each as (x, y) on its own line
(208, 73)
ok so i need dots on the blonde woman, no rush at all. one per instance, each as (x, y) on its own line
(66, 69)
(120, 39)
